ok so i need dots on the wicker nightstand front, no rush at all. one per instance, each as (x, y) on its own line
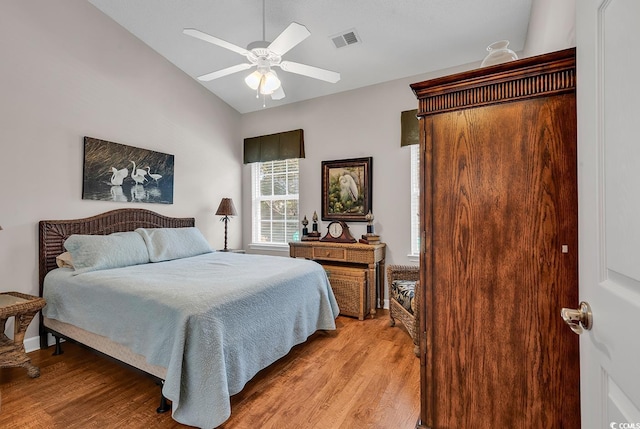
(23, 307)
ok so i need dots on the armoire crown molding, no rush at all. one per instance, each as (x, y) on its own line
(512, 81)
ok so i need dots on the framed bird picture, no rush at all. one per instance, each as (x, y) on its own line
(346, 189)
(121, 173)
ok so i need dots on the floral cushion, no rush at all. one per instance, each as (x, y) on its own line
(403, 291)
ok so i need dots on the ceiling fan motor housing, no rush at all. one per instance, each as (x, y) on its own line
(259, 54)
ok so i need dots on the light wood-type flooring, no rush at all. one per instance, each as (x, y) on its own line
(365, 376)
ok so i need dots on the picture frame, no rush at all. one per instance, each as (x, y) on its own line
(347, 189)
(126, 174)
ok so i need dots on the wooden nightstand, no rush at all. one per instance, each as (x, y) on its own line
(23, 307)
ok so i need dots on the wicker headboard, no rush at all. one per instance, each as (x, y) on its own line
(53, 233)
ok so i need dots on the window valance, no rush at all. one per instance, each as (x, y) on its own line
(410, 133)
(274, 147)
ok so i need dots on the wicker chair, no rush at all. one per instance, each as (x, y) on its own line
(397, 311)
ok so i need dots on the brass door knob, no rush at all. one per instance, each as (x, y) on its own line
(578, 319)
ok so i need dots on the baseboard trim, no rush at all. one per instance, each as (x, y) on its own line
(32, 344)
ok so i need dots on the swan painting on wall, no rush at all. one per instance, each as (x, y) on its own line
(117, 172)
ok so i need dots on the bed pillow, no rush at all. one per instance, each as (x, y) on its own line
(101, 252)
(64, 260)
(165, 244)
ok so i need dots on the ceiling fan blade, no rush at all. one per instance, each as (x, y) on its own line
(314, 72)
(278, 94)
(208, 38)
(290, 37)
(229, 70)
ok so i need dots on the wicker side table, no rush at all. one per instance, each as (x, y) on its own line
(23, 307)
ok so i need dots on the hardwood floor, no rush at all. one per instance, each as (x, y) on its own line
(363, 376)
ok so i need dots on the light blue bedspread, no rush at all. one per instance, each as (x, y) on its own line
(212, 320)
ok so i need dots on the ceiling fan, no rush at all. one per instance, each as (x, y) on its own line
(265, 56)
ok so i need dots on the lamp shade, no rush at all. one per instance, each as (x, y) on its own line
(226, 208)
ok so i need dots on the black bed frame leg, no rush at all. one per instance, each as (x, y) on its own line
(58, 350)
(164, 405)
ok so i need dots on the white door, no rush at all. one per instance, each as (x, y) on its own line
(608, 98)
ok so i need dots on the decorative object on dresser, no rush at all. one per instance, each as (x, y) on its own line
(226, 209)
(23, 308)
(403, 281)
(314, 235)
(498, 206)
(356, 273)
(369, 218)
(346, 189)
(369, 237)
(107, 176)
(338, 232)
(305, 230)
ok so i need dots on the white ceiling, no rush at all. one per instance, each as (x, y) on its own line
(400, 38)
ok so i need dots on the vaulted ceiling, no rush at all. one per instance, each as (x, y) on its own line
(397, 38)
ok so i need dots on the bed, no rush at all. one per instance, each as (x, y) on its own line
(204, 324)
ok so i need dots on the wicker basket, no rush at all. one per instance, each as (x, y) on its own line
(397, 311)
(349, 286)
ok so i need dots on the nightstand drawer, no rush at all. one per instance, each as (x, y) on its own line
(335, 254)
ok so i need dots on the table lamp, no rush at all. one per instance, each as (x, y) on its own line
(226, 209)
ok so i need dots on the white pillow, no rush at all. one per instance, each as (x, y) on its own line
(165, 244)
(100, 252)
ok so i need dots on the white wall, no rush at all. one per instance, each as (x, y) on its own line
(360, 123)
(68, 71)
(552, 27)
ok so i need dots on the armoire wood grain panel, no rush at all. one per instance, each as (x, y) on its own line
(499, 199)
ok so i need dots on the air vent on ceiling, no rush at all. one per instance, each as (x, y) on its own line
(346, 38)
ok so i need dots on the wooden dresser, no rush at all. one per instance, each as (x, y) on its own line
(356, 272)
(499, 261)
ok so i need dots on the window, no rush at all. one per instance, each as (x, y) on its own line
(275, 201)
(415, 200)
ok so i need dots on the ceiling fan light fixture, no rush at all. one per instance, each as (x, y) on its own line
(270, 83)
(253, 80)
(264, 82)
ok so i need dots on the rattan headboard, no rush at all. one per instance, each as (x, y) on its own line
(53, 233)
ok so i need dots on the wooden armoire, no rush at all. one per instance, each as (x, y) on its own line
(499, 246)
